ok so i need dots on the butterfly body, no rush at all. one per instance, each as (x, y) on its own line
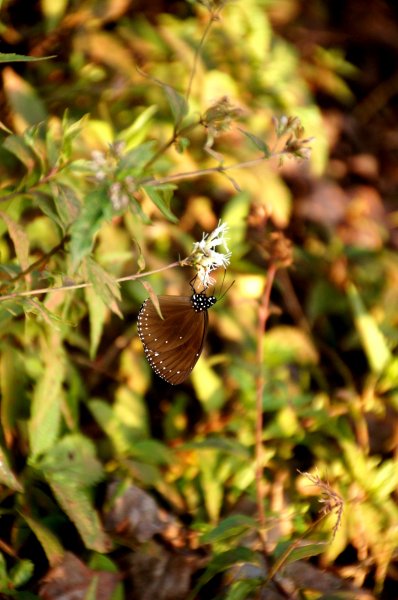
(173, 344)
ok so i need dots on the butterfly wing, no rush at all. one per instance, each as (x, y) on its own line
(173, 344)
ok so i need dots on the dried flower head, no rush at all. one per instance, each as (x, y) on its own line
(220, 116)
(279, 249)
(296, 145)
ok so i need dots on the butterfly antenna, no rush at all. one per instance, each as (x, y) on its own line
(191, 283)
(222, 285)
(227, 290)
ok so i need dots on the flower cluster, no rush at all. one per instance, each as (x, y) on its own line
(205, 259)
(105, 168)
(296, 145)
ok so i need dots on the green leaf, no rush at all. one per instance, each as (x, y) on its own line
(244, 588)
(152, 295)
(38, 308)
(70, 468)
(181, 144)
(77, 504)
(373, 341)
(21, 572)
(11, 57)
(222, 562)
(47, 206)
(3, 574)
(16, 146)
(92, 591)
(19, 239)
(211, 396)
(45, 420)
(162, 199)
(226, 445)
(293, 553)
(104, 285)
(66, 204)
(97, 311)
(178, 104)
(53, 11)
(125, 422)
(138, 130)
(7, 477)
(229, 527)
(120, 434)
(284, 344)
(23, 99)
(51, 545)
(72, 459)
(96, 210)
(70, 130)
(12, 387)
(153, 452)
(258, 142)
(212, 484)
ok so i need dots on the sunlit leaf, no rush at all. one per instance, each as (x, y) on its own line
(284, 344)
(27, 107)
(66, 204)
(12, 386)
(53, 11)
(70, 468)
(294, 552)
(229, 527)
(225, 560)
(96, 210)
(136, 133)
(21, 572)
(45, 419)
(373, 341)
(7, 477)
(98, 312)
(49, 542)
(162, 199)
(104, 284)
(19, 238)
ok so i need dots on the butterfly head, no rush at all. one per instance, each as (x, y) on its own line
(201, 302)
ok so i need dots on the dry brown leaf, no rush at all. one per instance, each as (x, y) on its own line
(71, 578)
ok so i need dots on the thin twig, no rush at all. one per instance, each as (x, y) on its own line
(213, 18)
(77, 286)
(45, 179)
(41, 261)
(210, 170)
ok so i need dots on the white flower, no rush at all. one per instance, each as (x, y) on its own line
(119, 199)
(205, 258)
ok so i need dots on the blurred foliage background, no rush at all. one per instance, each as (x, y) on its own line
(114, 484)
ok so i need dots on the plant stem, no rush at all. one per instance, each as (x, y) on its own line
(210, 170)
(213, 18)
(263, 314)
(78, 286)
(42, 260)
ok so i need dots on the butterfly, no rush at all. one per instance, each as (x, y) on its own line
(173, 344)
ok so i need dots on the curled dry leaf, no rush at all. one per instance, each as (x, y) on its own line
(71, 579)
(160, 567)
(135, 514)
(155, 572)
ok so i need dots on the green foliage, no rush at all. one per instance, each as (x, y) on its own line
(132, 137)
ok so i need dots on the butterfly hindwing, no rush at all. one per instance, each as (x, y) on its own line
(173, 344)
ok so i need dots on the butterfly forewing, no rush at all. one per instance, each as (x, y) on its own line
(173, 344)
